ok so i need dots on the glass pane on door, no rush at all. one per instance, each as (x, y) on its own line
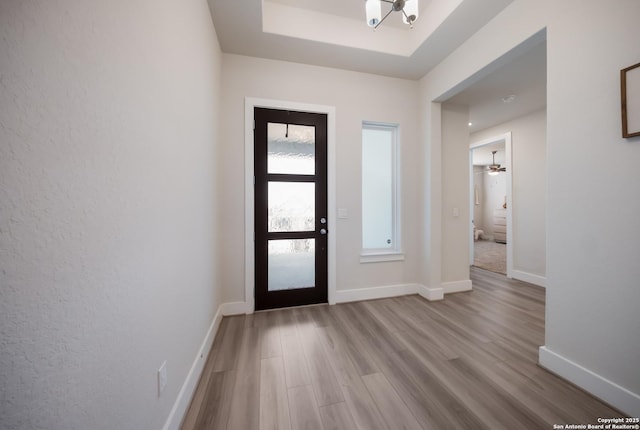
(291, 149)
(291, 264)
(292, 206)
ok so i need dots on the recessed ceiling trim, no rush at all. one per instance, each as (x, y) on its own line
(284, 20)
(308, 24)
(435, 13)
(442, 27)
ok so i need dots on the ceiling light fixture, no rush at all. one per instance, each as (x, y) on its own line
(494, 168)
(409, 9)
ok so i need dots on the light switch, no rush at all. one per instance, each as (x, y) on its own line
(343, 213)
(456, 212)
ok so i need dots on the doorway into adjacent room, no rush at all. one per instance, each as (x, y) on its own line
(490, 230)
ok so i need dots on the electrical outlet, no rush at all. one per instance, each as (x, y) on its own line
(162, 377)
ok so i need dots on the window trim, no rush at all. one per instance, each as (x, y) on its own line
(395, 253)
(380, 257)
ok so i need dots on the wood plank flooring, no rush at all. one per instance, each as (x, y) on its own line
(467, 362)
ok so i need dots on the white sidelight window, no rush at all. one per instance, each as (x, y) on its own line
(380, 193)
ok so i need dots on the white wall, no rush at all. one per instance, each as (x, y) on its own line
(108, 248)
(592, 218)
(592, 276)
(528, 161)
(455, 193)
(479, 173)
(357, 97)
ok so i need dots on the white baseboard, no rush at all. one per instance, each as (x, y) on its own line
(610, 392)
(457, 286)
(358, 294)
(372, 293)
(188, 387)
(431, 294)
(529, 277)
(235, 308)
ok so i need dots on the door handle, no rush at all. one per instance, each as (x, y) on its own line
(323, 231)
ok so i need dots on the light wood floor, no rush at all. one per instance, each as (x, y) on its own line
(467, 362)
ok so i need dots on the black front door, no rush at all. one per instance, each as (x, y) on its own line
(290, 153)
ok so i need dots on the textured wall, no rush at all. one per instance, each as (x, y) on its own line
(107, 208)
(593, 234)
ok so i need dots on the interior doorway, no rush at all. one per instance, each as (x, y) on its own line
(490, 231)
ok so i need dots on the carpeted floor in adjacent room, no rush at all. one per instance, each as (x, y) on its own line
(490, 255)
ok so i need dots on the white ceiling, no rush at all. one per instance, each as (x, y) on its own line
(333, 33)
(524, 77)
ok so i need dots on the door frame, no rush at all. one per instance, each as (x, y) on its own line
(506, 137)
(249, 216)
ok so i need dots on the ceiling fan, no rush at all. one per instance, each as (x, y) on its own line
(494, 168)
